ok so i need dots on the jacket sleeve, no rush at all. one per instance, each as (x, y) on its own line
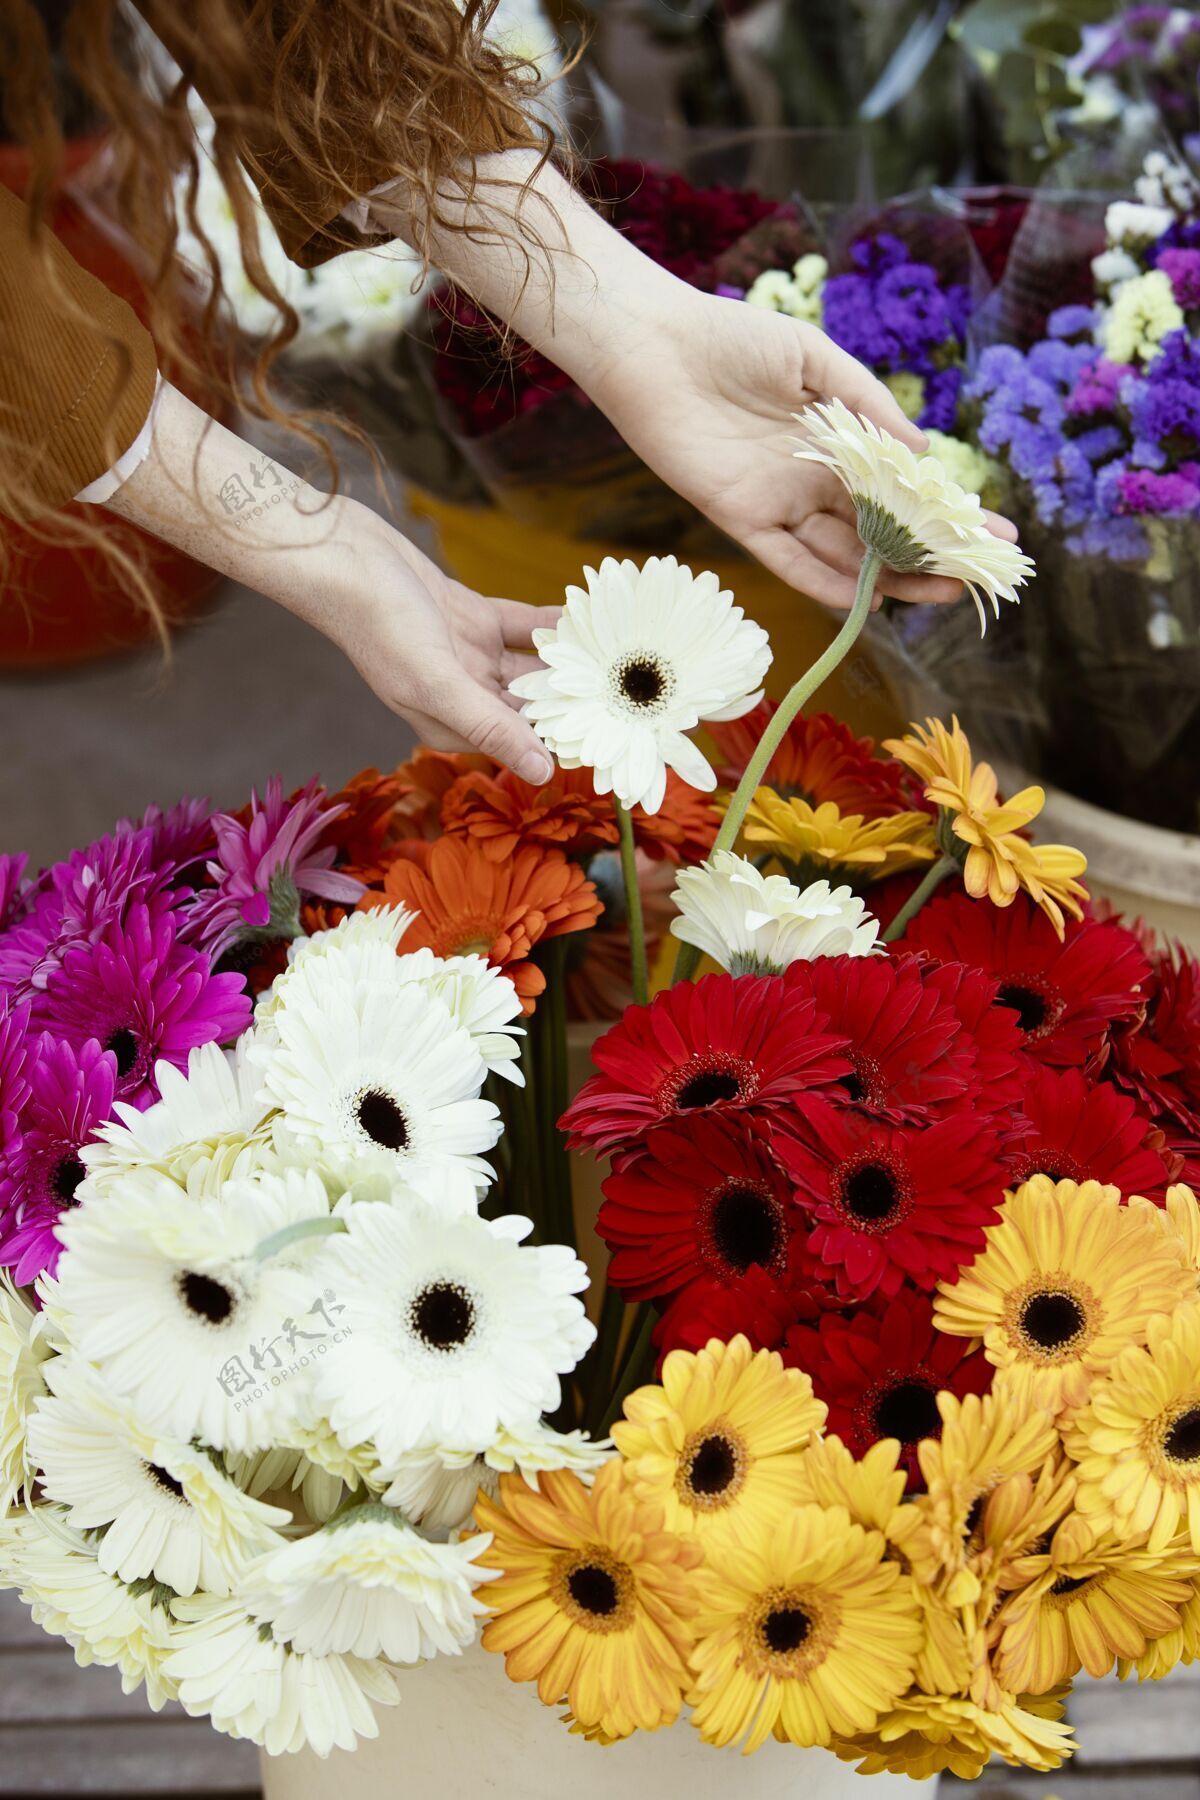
(76, 380)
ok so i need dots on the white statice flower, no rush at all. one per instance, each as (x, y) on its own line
(458, 1328)
(756, 924)
(1142, 314)
(166, 1509)
(971, 468)
(23, 1353)
(1165, 182)
(373, 1078)
(368, 1585)
(637, 660)
(909, 512)
(1130, 225)
(232, 1668)
(165, 1293)
(1113, 268)
(799, 294)
(208, 1124)
(436, 1486)
(58, 1576)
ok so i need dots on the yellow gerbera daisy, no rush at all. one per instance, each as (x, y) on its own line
(985, 1439)
(997, 860)
(1179, 1645)
(1183, 1212)
(1137, 1442)
(594, 1599)
(807, 1632)
(1068, 1278)
(927, 1733)
(824, 837)
(1093, 1598)
(717, 1445)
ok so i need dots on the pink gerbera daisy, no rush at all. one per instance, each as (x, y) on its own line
(72, 1094)
(72, 902)
(15, 1057)
(12, 893)
(265, 861)
(143, 995)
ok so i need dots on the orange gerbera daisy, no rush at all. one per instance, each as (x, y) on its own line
(359, 836)
(500, 811)
(427, 778)
(819, 760)
(468, 905)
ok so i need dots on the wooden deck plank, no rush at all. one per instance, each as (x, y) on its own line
(126, 1762)
(38, 1689)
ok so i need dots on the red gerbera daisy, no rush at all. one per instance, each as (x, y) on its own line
(891, 1202)
(715, 1045)
(910, 1053)
(1073, 1132)
(1066, 995)
(1158, 1058)
(819, 759)
(762, 1306)
(879, 1371)
(701, 1197)
(994, 1031)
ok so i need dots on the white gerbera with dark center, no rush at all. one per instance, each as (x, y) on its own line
(909, 511)
(166, 1509)
(372, 1078)
(756, 924)
(209, 1122)
(637, 660)
(368, 1585)
(165, 1293)
(458, 1329)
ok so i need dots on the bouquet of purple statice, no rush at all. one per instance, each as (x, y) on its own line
(1150, 51)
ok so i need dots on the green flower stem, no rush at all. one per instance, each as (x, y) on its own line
(633, 907)
(548, 1034)
(325, 1226)
(772, 737)
(932, 880)
(598, 1374)
(635, 1366)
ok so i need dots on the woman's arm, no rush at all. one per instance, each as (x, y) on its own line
(436, 653)
(704, 389)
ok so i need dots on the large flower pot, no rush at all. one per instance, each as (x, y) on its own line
(463, 1729)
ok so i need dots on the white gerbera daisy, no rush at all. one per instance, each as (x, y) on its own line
(209, 1122)
(23, 1354)
(312, 1462)
(363, 941)
(232, 1668)
(58, 1576)
(166, 1509)
(909, 511)
(755, 924)
(457, 1328)
(165, 1294)
(372, 1076)
(368, 1585)
(436, 1487)
(635, 662)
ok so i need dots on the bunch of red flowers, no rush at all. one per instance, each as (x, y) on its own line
(804, 1157)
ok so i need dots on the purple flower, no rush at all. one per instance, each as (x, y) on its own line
(73, 1090)
(12, 893)
(1182, 269)
(262, 869)
(143, 995)
(1097, 387)
(940, 411)
(14, 1069)
(179, 837)
(1072, 323)
(71, 903)
(1143, 491)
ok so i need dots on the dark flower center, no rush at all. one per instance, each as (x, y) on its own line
(870, 1193)
(208, 1299)
(67, 1177)
(1052, 1320)
(165, 1480)
(708, 1078)
(785, 1629)
(642, 681)
(443, 1315)
(1033, 1009)
(909, 1412)
(713, 1467)
(382, 1120)
(1071, 1584)
(1056, 1165)
(708, 1089)
(593, 1590)
(1182, 1442)
(124, 1046)
(745, 1228)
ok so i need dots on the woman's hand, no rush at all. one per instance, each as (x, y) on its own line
(707, 398)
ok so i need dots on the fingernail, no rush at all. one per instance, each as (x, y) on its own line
(536, 768)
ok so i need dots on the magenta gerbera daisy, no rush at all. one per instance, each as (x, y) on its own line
(880, 1370)
(180, 836)
(72, 1094)
(715, 1045)
(143, 995)
(12, 890)
(1066, 995)
(1073, 1132)
(700, 1197)
(265, 861)
(890, 1203)
(15, 1059)
(910, 1055)
(71, 903)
